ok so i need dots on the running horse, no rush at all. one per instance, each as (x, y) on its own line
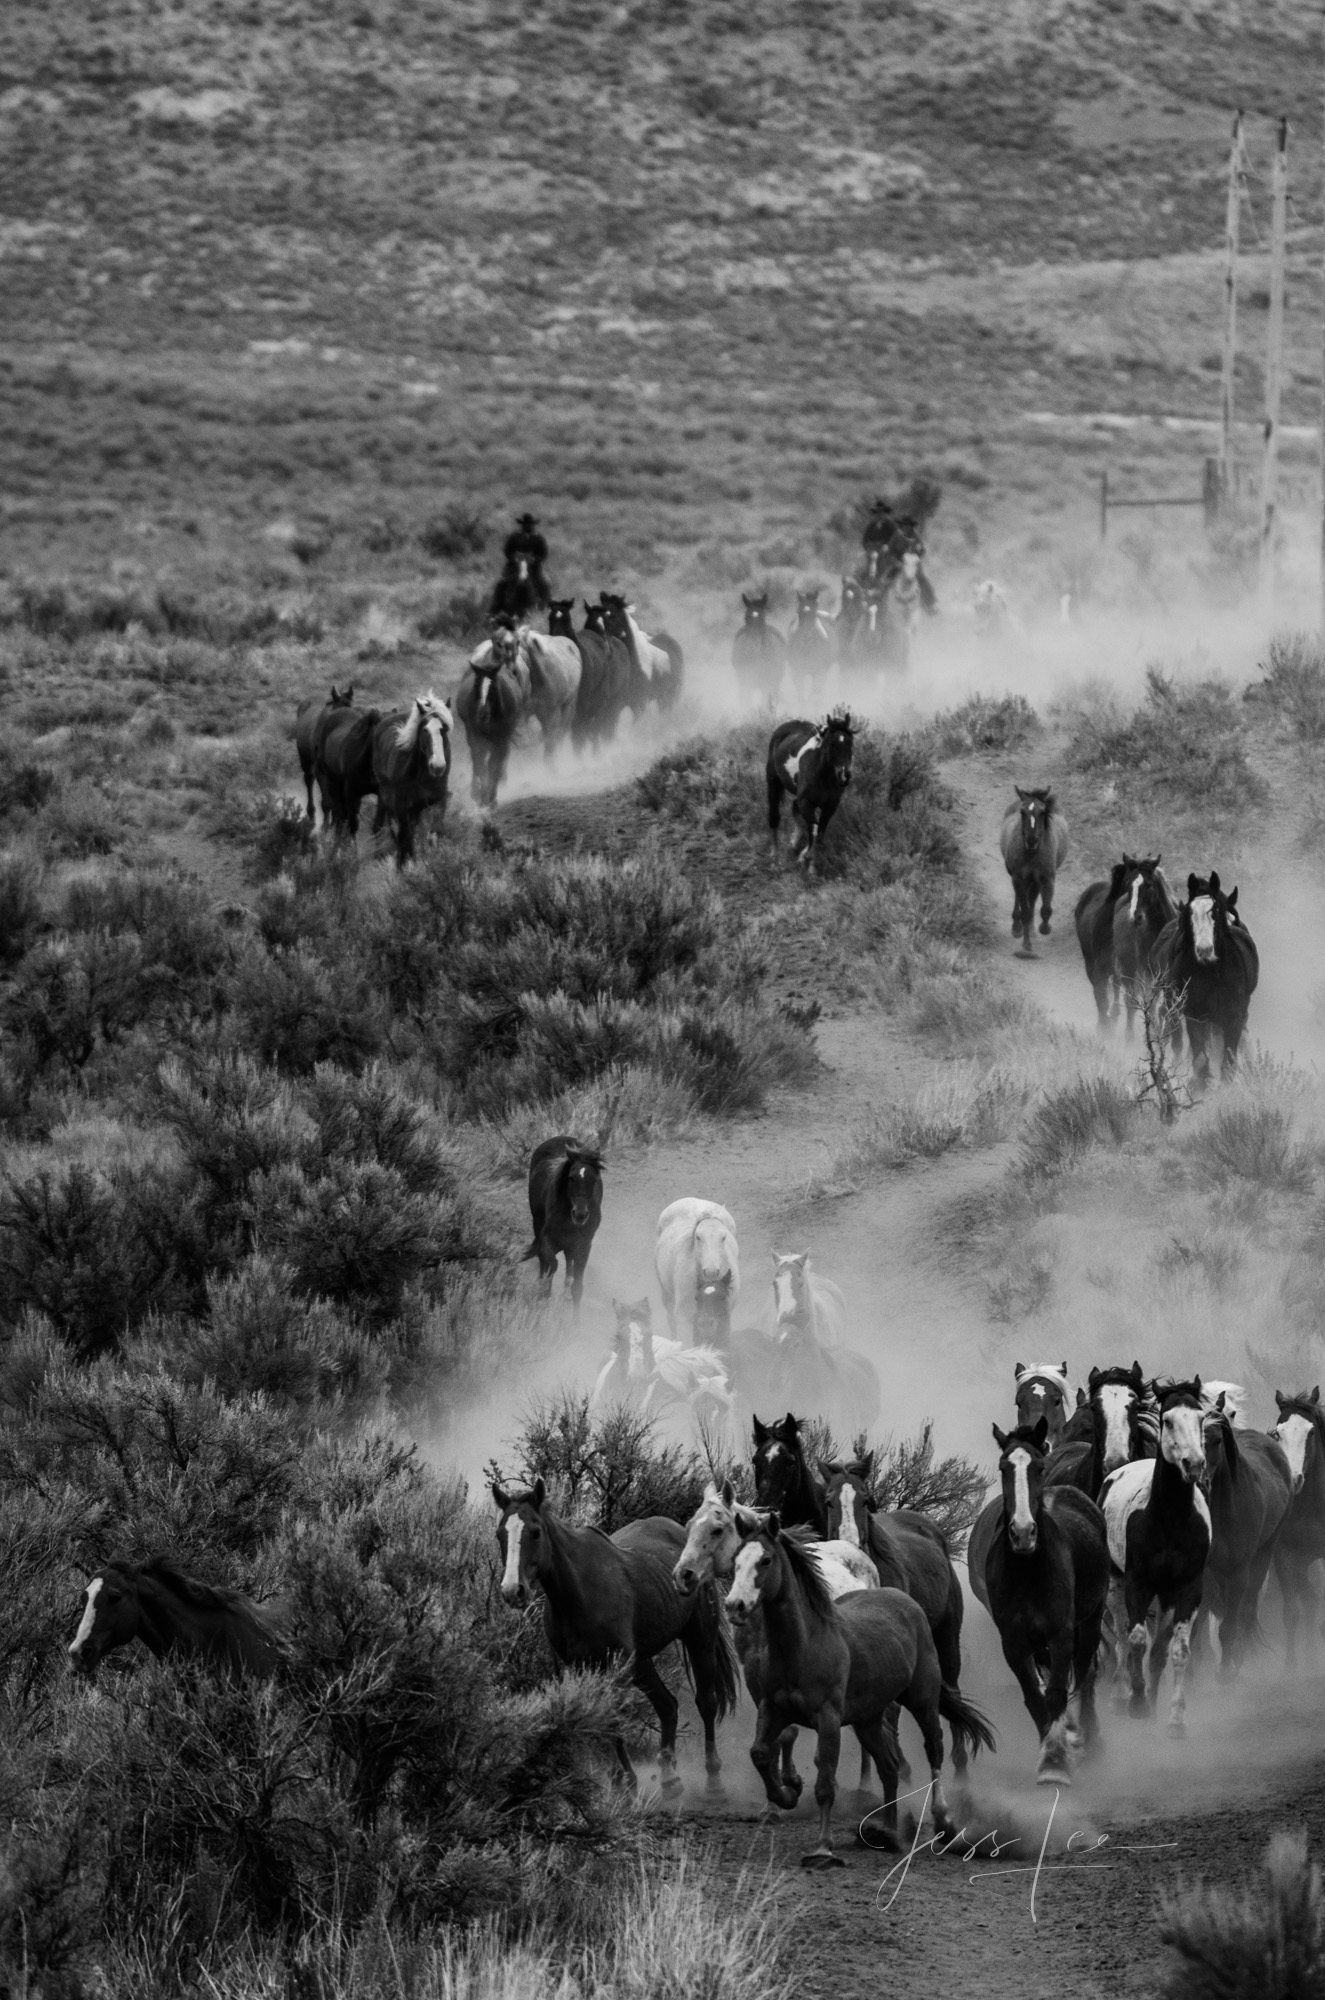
(1033, 841)
(172, 1613)
(611, 1598)
(657, 661)
(491, 702)
(826, 1665)
(1210, 964)
(1042, 1390)
(411, 754)
(1301, 1432)
(1093, 920)
(759, 651)
(308, 715)
(343, 739)
(1123, 1426)
(810, 1363)
(655, 1374)
(1045, 1570)
(809, 642)
(566, 1205)
(1140, 917)
(1250, 1489)
(812, 767)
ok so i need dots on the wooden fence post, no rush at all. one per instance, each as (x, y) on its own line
(1273, 371)
(1232, 219)
(1104, 507)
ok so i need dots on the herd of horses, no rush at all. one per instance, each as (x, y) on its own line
(872, 628)
(1127, 1515)
(1137, 939)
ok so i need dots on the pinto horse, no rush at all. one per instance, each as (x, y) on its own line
(1046, 1577)
(1124, 1425)
(491, 702)
(759, 651)
(566, 1203)
(812, 766)
(825, 1665)
(1033, 841)
(1158, 1523)
(173, 1613)
(1301, 1432)
(411, 768)
(809, 642)
(307, 717)
(608, 1598)
(1140, 916)
(1208, 960)
(1093, 919)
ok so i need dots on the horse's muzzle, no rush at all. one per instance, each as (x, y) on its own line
(1299, 1481)
(516, 1595)
(1205, 954)
(843, 776)
(685, 1580)
(1024, 1540)
(579, 1213)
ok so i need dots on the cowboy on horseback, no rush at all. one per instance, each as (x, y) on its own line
(525, 553)
(888, 539)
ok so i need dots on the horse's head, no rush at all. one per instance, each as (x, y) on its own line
(757, 1569)
(1042, 1390)
(712, 1539)
(1299, 1432)
(791, 1286)
(1023, 1455)
(1208, 912)
(520, 1538)
(1182, 1428)
(430, 720)
(713, 1306)
(1116, 1396)
(109, 1618)
(339, 700)
(848, 1498)
(807, 607)
(756, 611)
(1147, 901)
(559, 618)
(1036, 811)
(594, 616)
(615, 617)
(837, 740)
(583, 1182)
(634, 1336)
(778, 1461)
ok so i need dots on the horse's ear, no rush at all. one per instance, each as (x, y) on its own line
(540, 1491)
(1191, 885)
(773, 1525)
(1197, 1385)
(1220, 1401)
(1280, 1398)
(1314, 1397)
(1136, 1371)
(1017, 1368)
(1158, 859)
(1092, 1379)
(500, 1495)
(761, 1432)
(1214, 880)
(728, 1493)
(1082, 1397)
(1040, 1435)
(1065, 1371)
(865, 1466)
(1232, 900)
(1000, 1437)
(792, 1425)
(1128, 861)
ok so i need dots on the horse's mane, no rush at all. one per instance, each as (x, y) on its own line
(201, 1596)
(806, 1571)
(424, 707)
(588, 1155)
(1217, 1420)
(1025, 1434)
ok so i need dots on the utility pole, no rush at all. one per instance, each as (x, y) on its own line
(1232, 219)
(1273, 371)
(1322, 444)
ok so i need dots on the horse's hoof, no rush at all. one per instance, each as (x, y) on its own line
(1177, 1730)
(904, 1772)
(822, 1857)
(1053, 1774)
(1044, 930)
(1139, 1707)
(671, 1787)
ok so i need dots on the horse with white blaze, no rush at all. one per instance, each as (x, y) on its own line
(811, 765)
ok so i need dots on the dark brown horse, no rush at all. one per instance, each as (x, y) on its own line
(810, 648)
(1033, 842)
(1046, 1577)
(656, 659)
(343, 763)
(1140, 917)
(1250, 1490)
(1208, 961)
(1301, 1433)
(759, 651)
(1124, 1425)
(826, 1666)
(411, 768)
(566, 1203)
(1093, 918)
(1041, 1389)
(173, 1613)
(491, 702)
(605, 671)
(609, 1599)
(307, 717)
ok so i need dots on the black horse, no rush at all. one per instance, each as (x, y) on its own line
(1250, 1490)
(784, 1478)
(1093, 918)
(307, 717)
(411, 768)
(1158, 1522)
(173, 1613)
(1301, 1432)
(1210, 965)
(1140, 916)
(1123, 1426)
(656, 659)
(604, 688)
(1046, 1575)
(343, 763)
(759, 651)
(566, 1203)
(812, 766)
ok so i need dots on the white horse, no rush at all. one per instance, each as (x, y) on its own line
(803, 1302)
(654, 1373)
(1235, 1401)
(696, 1246)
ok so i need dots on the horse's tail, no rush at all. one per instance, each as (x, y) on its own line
(726, 1660)
(971, 1727)
(532, 1251)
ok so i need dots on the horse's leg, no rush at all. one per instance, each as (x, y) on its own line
(876, 1743)
(1230, 1628)
(791, 1777)
(1233, 1031)
(1198, 1034)
(948, 1646)
(1052, 1767)
(772, 1736)
(1046, 903)
(1137, 1607)
(828, 1748)
(1292, 1586)
(1023, 1666)
(1085, 1667)
(651, 1683)
(701, 1651)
